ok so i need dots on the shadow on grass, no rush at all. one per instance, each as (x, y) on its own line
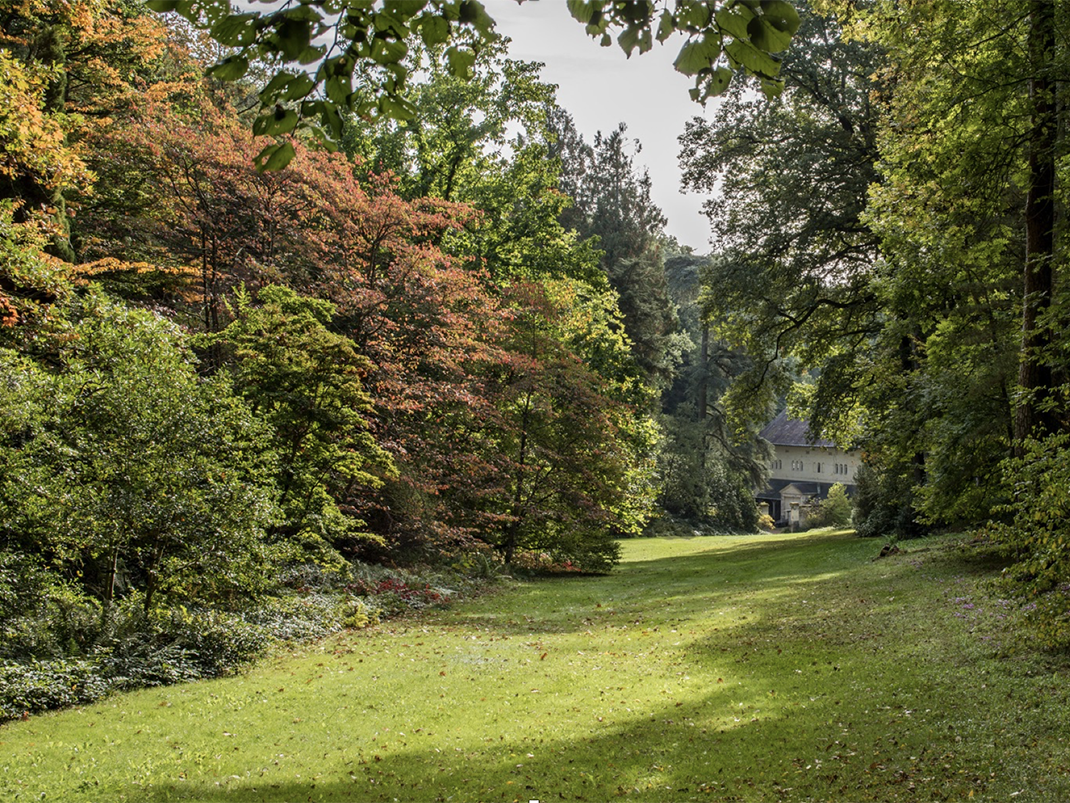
(650, 592)
(826, 686)
(717, 746)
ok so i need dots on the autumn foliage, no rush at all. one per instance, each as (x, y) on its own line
(419, 407)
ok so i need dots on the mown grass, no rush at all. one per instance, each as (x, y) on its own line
(781, 668)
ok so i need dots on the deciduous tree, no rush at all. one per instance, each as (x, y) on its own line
(722, 38)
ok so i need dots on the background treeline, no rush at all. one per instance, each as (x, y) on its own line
(239, 406)
(893, 238)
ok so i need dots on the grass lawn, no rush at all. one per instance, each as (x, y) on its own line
(772, 668)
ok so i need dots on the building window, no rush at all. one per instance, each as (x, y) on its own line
(817, 466)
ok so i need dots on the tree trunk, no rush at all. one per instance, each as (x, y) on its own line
(512, 534)
(704, 376)
(109, 590)
(1035, 372)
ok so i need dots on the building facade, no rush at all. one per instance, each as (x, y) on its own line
(801, 471)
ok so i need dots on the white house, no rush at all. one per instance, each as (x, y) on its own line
(802, 471)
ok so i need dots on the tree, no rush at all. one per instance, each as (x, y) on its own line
(1035, 415)
(207, 208)
(570, 447)
(613, 204)
(834, 510)
(427, 323)
(29, 283)
(953, 227)
(721, 40)
(78, 60)
(794, 278)
(710, 467)
(303, 380)
(483, 142)
(128, 471)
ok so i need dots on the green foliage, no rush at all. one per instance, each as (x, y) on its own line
(29, 285)
(1038, 534)
(574, 451)
(41, 615)
(708, 464)
(370, 42)
(613, 211)
(884, 504)
(834, 510)
(44, 685)
(482, 141)
(304, 381)
(948, 358)
(128, 470)
(699, 481)
(788, 182)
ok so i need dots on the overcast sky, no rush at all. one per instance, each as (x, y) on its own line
(600, 88)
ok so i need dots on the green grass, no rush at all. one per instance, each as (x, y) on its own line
(780, 668)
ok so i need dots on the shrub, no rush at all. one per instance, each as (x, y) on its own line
(481, 564)
(50, 619)
(43, 685)
(50, 664)
(884, 505)
(299, 617)
(544, 563)
(1038, 535)
(834, 510)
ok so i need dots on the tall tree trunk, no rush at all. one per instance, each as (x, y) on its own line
(704, 412)
(512, 533)
(109, 589)
(704, 376)
(1035, 371)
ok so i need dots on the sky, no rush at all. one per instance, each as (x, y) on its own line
(600, 88)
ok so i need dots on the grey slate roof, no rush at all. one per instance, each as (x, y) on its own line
(775, 488)
(772, 489)
(784, 431)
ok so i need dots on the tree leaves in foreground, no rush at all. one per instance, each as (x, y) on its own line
(317, 49)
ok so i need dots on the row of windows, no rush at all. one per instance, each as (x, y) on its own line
(799, 465)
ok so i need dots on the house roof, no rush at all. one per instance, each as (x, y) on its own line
(803, 489)
(784, 431)
(772, 489)
(819, 490)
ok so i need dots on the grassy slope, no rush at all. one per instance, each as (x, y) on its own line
(763, 668)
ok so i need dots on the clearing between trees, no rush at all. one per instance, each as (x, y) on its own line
(781, 667)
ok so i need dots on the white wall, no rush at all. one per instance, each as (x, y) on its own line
(811, 458)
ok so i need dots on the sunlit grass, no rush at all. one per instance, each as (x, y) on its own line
(752, 668)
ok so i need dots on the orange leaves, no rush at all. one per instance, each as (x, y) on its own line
(32, 141)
